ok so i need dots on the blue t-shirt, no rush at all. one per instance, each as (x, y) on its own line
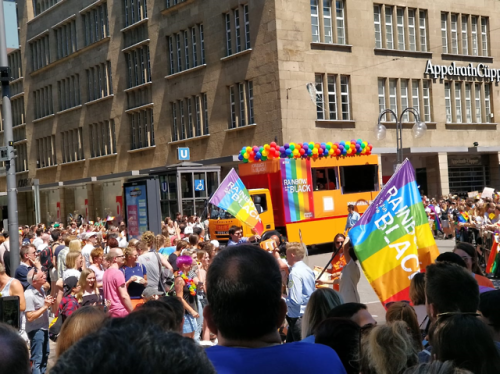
(288, 358)
(167, 251)
(134, 289)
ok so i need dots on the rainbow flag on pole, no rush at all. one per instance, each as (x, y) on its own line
(393, 239)
(297, 189)
(233, 197)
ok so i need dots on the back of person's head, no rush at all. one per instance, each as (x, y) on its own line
(450, 288)
(197, 230)
(343, 335)
(181, 244)
(346, 310)
(71, 259)
(320, 303)
(112, 243)
(129, 348)
(437, 367)
(84, 321)
(489, 306)
(465, 340)
(244, 293)
(55, 234)
(391, 349)
(14, 355)
(161, 316)
(452, 258)
(193, 240)
(400, 311)
(39, 232)
(175, 305)
(75, 245)
(417, 289)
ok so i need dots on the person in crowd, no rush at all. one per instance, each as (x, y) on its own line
(38, 239)
(170, 226)
(130, 348)
(29, 260)
(247, 331)
(344, 337)
(468, 253)
(136, 276)
(445, 220)
(417, 297)
(403, 311)
(201, 274)
(352, 218)
(151, 293)
(114, 286)
(185, 289)
(350, 275)
(337, 264)
(79, 324)
(14, 355)
(390, 348)
(89, 293)
(61, 255)
(436, 367)
(193, 241)
(69, 303)
(37, 319)
(489, 308)
(91, 244)
(171, 306)
(356, 312)
(74, 265)
(97, 256)
(172, 259)
(300, 288)
(4, 246)
(11, 287)
(112, 242)
(464, 339)
(153, 262)
(321, 302)
(163, 243)
(236, 236)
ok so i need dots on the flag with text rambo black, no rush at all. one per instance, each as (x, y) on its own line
(393, 240)
(233, 197)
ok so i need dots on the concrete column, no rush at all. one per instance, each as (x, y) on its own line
(444, 182)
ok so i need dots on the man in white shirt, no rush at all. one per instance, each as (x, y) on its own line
(89, 247)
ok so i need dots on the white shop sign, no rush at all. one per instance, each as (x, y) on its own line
(470, 71)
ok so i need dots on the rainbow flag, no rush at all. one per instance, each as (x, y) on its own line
(492, 257)
(463, 217)
(232, 196)
(297, 189)
(437, 221)
(393, 239)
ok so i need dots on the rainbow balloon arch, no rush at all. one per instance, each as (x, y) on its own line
(305, 150)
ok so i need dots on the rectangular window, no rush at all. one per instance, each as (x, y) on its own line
(464, 39)
(393, 98)
(233, 25)
(388, 28)
(241, 104)
(415, 97)
(186, 50)
(69, 92)
(465, 35)
(477, 102)
(175, 136)
(43, 102)
(171, 54)
(458, 101)
(72, 145)
(332, 14)
(229, 48)
(142, 129)
(96, 19)
(332, 97)
(202, 44)
(340, 22)
(198, 115)
(46, 151)
(487, 103)
(468, 103)
(412, 36)
(447, 102)
(315, 21)
(427, 101)
(205, 113)
(378, 29)
(65, 39)
(40, 52)
(337, 93)
(484, 35)
(444, 32)
(327, 21)
(423, 30)
(179, 53)
(232, 101)
(241, 94)
(247, 26)
(237, 30)
(404, 99)
(381, 95)
(400, 19)
(102, 139)
(139, 66)
(134, 11)
(251, 118)
(40, 6)
(344, 91)
(190, 117)
(196, 111)
(454, 34)
(319, 97)
(194, 46)
(474, 43)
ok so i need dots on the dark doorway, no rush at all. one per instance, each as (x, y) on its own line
(422, 180)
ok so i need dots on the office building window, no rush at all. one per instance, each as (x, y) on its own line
(134, 11)
(237, 26)
(18, 113)
(96, 24)
(142, 129)
(99, 81)
(15, 64)
(467, 102)
(338, 105)
(458, 38)
(40, 6)
(328, 21)
(65, 39)
(171, 3)
(69, 92)
(184, 51)
(405, 29)
(72, 145)
(138, 66)
(191, 113)
(398, 94)
(102, 139)
(46, 151)
(40, 52)
(43, 102)
(241, 104)
(22, 157)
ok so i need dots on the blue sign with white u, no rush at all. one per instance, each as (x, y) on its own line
(183, 154)
(199, 185)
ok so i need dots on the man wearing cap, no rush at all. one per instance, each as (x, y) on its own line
(89, 247)
(69, 303)
(151, 293)
(352, 218)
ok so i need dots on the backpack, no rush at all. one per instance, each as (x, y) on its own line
(46, 258)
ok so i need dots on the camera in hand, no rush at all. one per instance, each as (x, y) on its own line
(10, 311)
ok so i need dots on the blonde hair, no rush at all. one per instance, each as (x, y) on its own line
(128, 252)
(83, 284)
(296, 248)
(188, 252)
(390, 348)
(133, 243)
(321, 302)
(159, 242)
(84, 321)
(71, 259)
(75, 246)
(148, 237)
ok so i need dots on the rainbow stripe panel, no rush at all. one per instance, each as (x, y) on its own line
(297, 189)
(393, 239)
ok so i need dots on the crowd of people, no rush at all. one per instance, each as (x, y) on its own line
(178, 302)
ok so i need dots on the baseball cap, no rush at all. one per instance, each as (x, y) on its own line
(90, 234)
(56, 225)
(151, 291)
(188, 230)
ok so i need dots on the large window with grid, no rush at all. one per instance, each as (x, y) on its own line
(186, 49)
(69, 92)
(65, 39)
(190, 117)
(172, 3)
(138, 66)
(72, 145)
(142, 129)
(241, 104)
(134, 11)
(40, 6)
(99, 81)
(465, 34)
(15, 64)
(102, 139)
(96, 23)
(328, 21)
(18, 113)
(43, 102)
(40, 52)
(46, 151)
(22, 157)
(467, 102)
(400, 28)
(237, 26)
(332, 97)
(399, 94)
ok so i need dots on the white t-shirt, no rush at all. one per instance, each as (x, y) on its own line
(86, 253)
(71, 273)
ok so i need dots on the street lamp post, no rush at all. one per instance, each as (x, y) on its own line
(418, 129)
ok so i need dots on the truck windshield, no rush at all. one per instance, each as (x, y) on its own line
(362, 178)
(217, 213)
